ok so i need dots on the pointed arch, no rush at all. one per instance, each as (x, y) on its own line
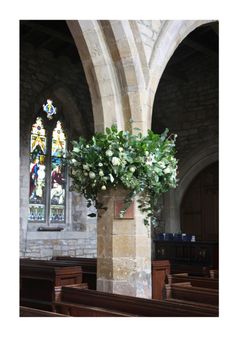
(172, 34)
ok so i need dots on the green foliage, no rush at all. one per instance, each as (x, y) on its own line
(144, 165)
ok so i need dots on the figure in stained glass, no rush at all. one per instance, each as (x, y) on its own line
(57, 190)
(37, 180)
(49, 109)
(38, 139)
(39, 176)
(34, 177)
(58, 141)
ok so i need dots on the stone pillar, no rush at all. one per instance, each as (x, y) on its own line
(123, 249)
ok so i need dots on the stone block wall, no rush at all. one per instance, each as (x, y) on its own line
(42, 73)
(189, 106)
(149, 31)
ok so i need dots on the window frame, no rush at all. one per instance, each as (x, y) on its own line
(49, 126)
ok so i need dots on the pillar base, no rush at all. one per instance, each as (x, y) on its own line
(123, 249)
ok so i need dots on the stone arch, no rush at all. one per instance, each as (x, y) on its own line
(193, 166)
(116, 71)
(172, 34)
(99, 72)
(188, 171)
(123, 41)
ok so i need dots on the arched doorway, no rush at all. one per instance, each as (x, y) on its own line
(186, 102)
(200, 205)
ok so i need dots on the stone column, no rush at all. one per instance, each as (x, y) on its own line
(123, 249)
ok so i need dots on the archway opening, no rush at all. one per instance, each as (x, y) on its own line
(186, 102)
(199, 208)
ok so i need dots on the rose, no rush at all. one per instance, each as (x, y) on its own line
(101, 173)
(115, 161)
(109, 153)
(167, 170)
(132, 169)
(161, 164)
(92, 175)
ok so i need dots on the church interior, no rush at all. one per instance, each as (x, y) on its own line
(78, 77)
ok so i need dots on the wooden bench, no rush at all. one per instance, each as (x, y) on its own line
(185, 291)
(32, 312)
(41, 282)
(160, 271)
(204, 282)
(208, 307)
(72, 298)
(88, 265)
(76, 310)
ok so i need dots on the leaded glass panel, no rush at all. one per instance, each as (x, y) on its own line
(58, 184)
(47, 186)
(37, 172)
(38, 138)
(58, 141)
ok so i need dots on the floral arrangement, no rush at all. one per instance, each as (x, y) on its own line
(144, 165)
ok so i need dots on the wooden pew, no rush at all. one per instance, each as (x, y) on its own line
(185, 291)
(88, 265)
(40, 283)
(204, 282)
(76, 310)
(32, 312)
(160, 271)
(72, 297)
(212, 308)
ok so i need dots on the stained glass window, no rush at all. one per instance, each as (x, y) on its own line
(57, 197)
(37, 172)
(47, 193)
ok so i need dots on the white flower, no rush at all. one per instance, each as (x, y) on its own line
(146, 153)
(132, 169)
(101, 173)
(85, 173)
(109, 153)
(73, 160)
(85, 167)
(115, 161)
(100, 164)
(87, 146)
(121, 149)
(111, 178)
(103, 187)
(92, 175)
(167, 170)
(150, 160)
(161, 164)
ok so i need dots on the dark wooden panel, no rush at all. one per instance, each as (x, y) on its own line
(200, 205)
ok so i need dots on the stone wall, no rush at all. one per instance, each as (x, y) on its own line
(44, 245)
(149, 32)
(43, 75)
(189, 107)
(186, 103)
